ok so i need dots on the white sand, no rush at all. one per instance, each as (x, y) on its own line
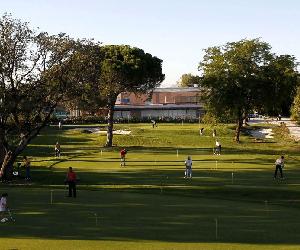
(262, 133)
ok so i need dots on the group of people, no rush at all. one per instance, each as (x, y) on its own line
(279, 165)
(218, 147)
(71, 180)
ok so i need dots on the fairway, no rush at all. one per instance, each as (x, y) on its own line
(232, 201)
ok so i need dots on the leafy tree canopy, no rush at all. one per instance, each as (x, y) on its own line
(126, 69)
(188, 80)
(242, 76)
(37, 71)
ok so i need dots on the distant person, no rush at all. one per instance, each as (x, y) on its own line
(279, 164)
(188, 167)
(201, 131)
(3, 207)
(279, 117)
(71, 179)
(214, 133)
(60, 125)
(26, 164)
(57, 149)
(123, 153)
(218, 148)
(154, 124)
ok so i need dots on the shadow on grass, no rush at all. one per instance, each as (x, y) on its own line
(150, 215)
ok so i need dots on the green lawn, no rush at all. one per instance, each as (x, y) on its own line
(232, 202)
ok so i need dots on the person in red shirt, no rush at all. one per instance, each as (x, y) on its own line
(71, 180)
(123, 153)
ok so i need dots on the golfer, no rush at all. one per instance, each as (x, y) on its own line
(3, 207)
(279, 164)
(57, 149)
(188, 167)
(201, 131)
(26, 163)
(218, 148)
(71, 180)
(123, 153)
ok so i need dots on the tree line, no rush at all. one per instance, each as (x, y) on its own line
(39, 71)
(246, 76)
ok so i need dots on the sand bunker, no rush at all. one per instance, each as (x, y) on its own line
(115, 132)
(265, 133)
(99, 131)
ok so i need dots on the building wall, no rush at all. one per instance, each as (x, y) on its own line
(178, 113)
(161, 96)
(131, 99)
(174, 97)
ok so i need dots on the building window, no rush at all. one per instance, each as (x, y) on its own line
(125, 101)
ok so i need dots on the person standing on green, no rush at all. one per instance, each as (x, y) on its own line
(71, 179)
(188, 167)
(26, 162)
(279, 164)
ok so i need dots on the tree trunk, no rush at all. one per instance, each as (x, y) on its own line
(7, 166)
(110, 122)
(2, 153)
(2, 146)
(238, 129)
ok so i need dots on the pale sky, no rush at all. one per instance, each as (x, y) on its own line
(176, 31)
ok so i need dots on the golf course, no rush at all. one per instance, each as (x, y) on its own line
(232, 201)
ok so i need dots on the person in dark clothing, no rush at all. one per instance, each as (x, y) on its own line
(71, 180)
(154, 124)
(201, 131)
(26, 163)
(214, 133)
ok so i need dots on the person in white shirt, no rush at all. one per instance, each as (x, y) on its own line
(188, 167)
(218, 148)
(3, 207)
(60, 125)
(279, 164)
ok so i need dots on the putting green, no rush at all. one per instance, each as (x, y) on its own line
(232, 202)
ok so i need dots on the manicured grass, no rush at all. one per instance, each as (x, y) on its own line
(148, 204)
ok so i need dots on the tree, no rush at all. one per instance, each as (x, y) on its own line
(36, 72)
(188, 80)
(295, 109)
(126, 69)
(87, 62)
(243, 76)
(284, 77)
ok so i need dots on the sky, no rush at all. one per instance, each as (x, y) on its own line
(175, 31)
